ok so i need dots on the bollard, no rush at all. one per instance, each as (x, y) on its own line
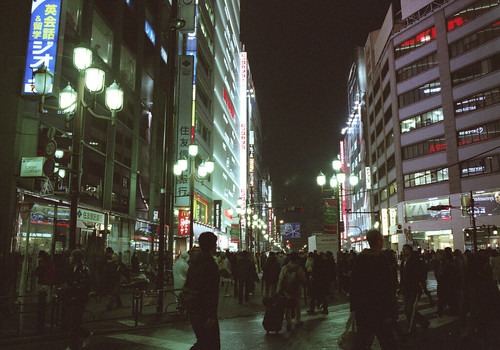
(42, 306)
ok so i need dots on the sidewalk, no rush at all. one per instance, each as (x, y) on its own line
(101, 321)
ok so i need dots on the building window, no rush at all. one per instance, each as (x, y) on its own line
(423, 148)
(476, 70)
(393, 188)
(470, 13)
(480, 133)
(102, 38)
(425, 177)
(420, 93)
(127, 67)
(474, 40)
(422, 120)
(391, 162)
(203, 131)
(478, 101)
(490, 164)
(415, 42)
(417, 67)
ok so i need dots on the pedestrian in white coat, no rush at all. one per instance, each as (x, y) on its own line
(180, 270)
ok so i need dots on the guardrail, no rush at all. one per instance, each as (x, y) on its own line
(41, 312)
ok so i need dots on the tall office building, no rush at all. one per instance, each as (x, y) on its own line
(431, 99)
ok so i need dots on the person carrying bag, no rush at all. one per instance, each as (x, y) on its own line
(346, 340)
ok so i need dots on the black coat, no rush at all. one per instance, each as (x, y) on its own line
(203, 276)
(372, 289)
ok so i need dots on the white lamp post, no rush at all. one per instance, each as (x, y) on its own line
(205, 169)
(73, 102)
(336, 185)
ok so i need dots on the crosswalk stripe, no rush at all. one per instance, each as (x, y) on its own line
(151, 341)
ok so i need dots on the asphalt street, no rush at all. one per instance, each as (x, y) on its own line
(246, 332)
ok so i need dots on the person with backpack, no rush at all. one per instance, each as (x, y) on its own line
(291, 280)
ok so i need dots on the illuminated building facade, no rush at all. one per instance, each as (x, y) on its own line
(432, 123)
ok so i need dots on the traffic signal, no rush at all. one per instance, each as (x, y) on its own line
(295, 209)
(341, 226)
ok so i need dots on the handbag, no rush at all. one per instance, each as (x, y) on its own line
(346, 340)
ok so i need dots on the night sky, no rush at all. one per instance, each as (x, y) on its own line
(300, 52)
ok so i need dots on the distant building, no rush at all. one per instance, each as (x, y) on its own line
(432, 123)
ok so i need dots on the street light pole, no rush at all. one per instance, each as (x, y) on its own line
(76, 159)
(191, 203)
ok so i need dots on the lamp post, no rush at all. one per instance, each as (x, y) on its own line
(240, 210)
(70, 102)
(205, 168)
(336, 185)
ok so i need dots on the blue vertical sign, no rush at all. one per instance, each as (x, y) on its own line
(42, 39)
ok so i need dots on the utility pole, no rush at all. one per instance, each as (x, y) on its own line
(473, 222)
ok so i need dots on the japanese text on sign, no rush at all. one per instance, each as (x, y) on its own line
(42, 39)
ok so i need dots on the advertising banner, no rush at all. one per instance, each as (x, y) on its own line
(418, 211)
(485, 204)
(42, 39)
(330, 216)
(290, 230)
(235, 233)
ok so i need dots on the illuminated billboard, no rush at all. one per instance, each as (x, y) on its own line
(485, 203)
(42, 39)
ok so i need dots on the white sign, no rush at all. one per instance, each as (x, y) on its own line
(90, 216)
(32, 167)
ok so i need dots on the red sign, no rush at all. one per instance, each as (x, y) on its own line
(184, 223)
(229, 103)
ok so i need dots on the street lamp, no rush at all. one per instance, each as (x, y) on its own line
(240, 210)
(70, 102)
(336, 183)
(205, 169)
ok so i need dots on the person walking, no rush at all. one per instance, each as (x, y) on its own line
(495, 265)
(291, 280)
(180, 270)
(319, 281)
(271, 274)
(411, 287)
(77, 288)
(45, 273)
(203, 278)
(373, 296)
(246, 274)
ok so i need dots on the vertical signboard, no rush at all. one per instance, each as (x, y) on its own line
(185, 94)
(243, 126)
(183, 226)
(217, 214)
(42, 39)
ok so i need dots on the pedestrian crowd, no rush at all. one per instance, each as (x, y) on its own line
(379, 284)
(373, 280)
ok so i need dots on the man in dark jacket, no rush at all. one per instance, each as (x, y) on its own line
(77, 288)
(373, 295)
(203, 277)
(245, 273)
(411, 287)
